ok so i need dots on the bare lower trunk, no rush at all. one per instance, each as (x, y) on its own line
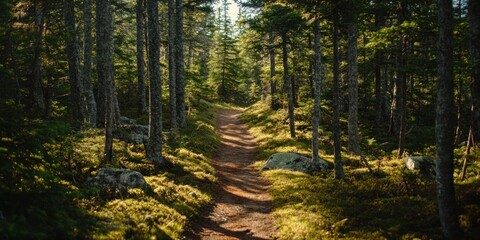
(180, 65)
(317, 78)
(141, 98)
(171, 65)
(154, 149)
(353, 139)
(289, 89)
(273, 82)
(37, 94)
(73, 54)
(467, 153)
(444, 125)
(105, 70)
(474, 21)
(87, 64)
(336, 103)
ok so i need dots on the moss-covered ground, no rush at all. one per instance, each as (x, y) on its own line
(392, 203)
(45, 165)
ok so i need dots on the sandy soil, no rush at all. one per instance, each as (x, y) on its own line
(242, 206)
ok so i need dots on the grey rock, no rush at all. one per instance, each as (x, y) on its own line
(117, 178)
(131, 132)
(425, 165)
(138, 138)
(294, 162)
(126, 120)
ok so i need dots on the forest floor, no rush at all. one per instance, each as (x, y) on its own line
(242, 208)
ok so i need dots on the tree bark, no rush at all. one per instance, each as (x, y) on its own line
(180, 65)
(154, 149)
(380, 96)
(273, 83)
(286, 79)
(336, 94)
(104, 37)
(474, 21)
(172, 65)
(353, 139)
(444, 125)
(73, 54)
(141, 98)
(317, 82)
(87, 64)
(36, 92)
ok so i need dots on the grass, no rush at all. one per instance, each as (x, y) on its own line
(394, 203)
(44, 197)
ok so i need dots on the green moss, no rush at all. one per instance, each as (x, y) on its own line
(392, 204)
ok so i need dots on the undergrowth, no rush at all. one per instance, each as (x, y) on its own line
(392, 203)
(45, 166)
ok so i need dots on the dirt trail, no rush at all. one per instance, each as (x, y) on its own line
(242, 205)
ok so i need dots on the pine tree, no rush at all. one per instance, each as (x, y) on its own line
(154, 149)
(87, 64)
(172, 65)
(104, 26)
(180, 65)
(444, 124)
(224, 63)
(73, 53)
(141, 98)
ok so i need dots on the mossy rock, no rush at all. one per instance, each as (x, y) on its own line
(294, 162)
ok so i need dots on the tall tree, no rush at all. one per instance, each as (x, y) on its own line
(288, 85)
(474, 21)
(273, 82)
(336, 95)
(154, 149)
(317, 88)
(380, 89)
(225, 66)
(352, 31)
(91, 114)
(36, 90)
(142, 104)
(444, 124)
(73, 54)
(104, 38)
(180, 65)
(172, 65)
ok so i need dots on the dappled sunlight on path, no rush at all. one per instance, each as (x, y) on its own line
(242, 205)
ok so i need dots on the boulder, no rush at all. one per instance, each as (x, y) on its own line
(294, 162)
(425, 165)
(126, 120)
(117, 178)
(131, 132)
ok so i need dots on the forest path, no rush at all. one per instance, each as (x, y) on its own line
(242, 205)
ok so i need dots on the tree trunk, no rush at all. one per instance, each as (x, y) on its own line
(36, 92)
(141, 98)
(154, 149)
(318, 81)
(444, 125)
(353, 139)
(380, 98)
(87, 64)
(273, 83)
(171, 65)
(474, 21)
(286, 79)
(336, 94)
(311, 68)
(73, 54)
(104, 23)
(467, 153)
(180, 65)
